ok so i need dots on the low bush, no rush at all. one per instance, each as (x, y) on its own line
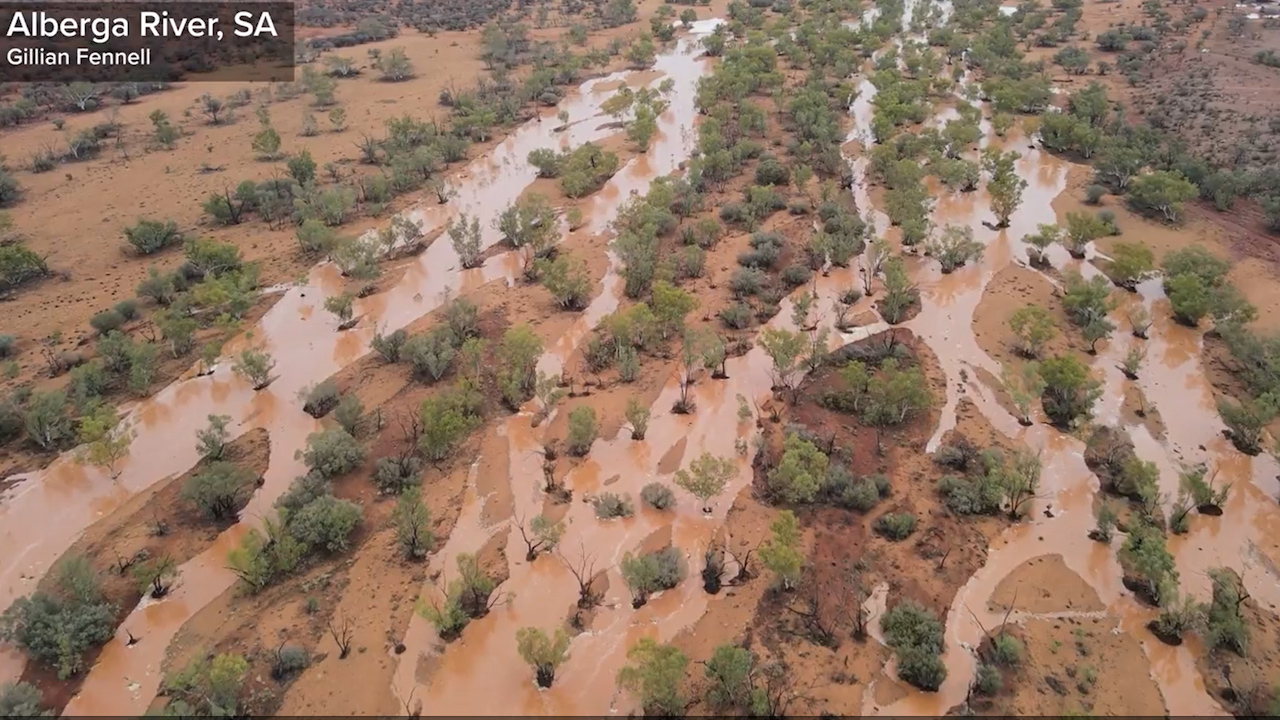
(151, 236)
(325, 523)
(647, 574)
(220, 490)
(392, 475)
(896, 526)
(916, 636)
(658, 496)
(332, 452)
(289, 660)
(107, 320)
(612, 505)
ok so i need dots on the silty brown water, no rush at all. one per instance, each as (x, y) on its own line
(302, 339)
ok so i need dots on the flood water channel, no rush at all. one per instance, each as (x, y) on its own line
(1062, 516)
(481, 672)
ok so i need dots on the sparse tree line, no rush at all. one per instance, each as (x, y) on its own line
(59, 626)
(1148, 565)
(375, 22)
(311, 521)
(213, 288)
(1196, 284)
(581, 171)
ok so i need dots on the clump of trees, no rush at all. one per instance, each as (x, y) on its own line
(1069, 390)
(652, 572)
(955, 247)
(654, 674)
(582, 170)
(472, 595)
(916, 636)
(1149, 567)
(1196, 282)
(309, 521)
(207, 686)
(22, 699)
(885, 397)
(58, 627)
(1087, 303)
(220, 490)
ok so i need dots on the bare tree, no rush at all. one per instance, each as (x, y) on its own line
(860, 594)
(821, 609)
(584, 571)
(342, 634)
(743, 561)
(780, 690)
(540, 535)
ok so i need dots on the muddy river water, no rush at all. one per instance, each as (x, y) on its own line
(42, 514)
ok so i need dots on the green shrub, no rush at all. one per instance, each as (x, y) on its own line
(896, 526)
(796, 275)
(302, 491)
(771, 171)
(447, 418)
(7, 345)
(325, 523)
(413, 525)
(289, 660)
(916, 635)
(800, 473)
(748, 281)
(107, 320)
(265, 556)
(988, 680)
(150, 236)
(208, 685)
(11, 420)
(658, 496)
(979, 495)
(332, 452)
(349, 414)
(583, 428)
(390, 346)
(57, 628)
(10, 191)
(393, 475)
(22, 699)
(921, 668)
(162, 289)
(431, 354)
(315, 237)
(737, 316)
(47, 421)
(845, 491)
(647, 574)
(88, 383)
(321, 399)
(114, 350)
(219, 491)
(1007, 650)
(612, 505)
